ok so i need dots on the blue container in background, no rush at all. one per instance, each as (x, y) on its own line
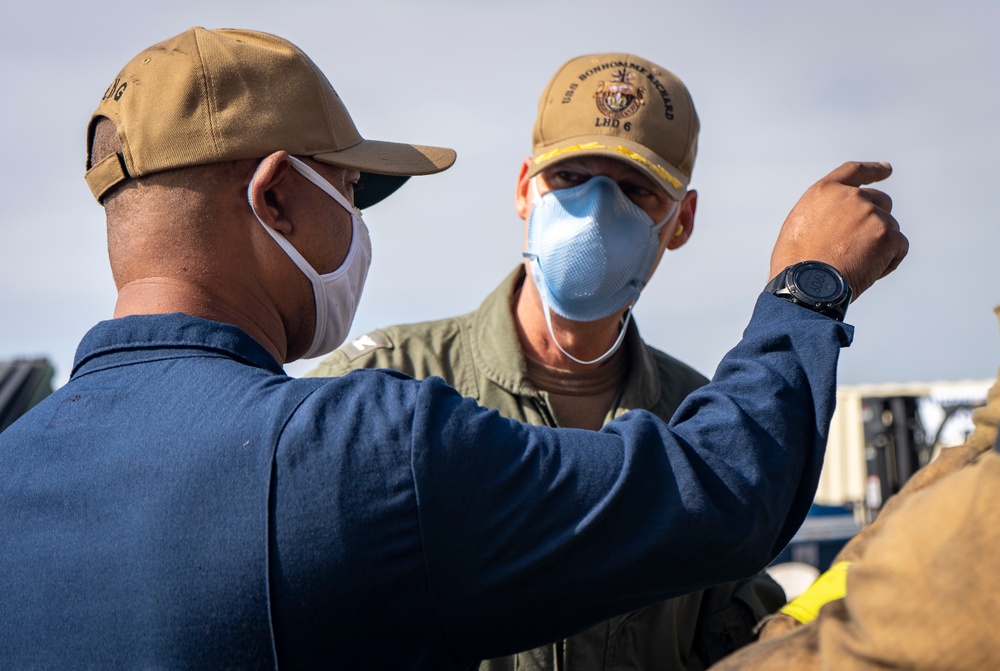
(825, 531)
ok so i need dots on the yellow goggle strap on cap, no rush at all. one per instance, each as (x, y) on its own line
(830, 586)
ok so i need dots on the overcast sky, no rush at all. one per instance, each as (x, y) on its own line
(786, 91)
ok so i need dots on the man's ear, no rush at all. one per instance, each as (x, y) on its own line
(685, 221)
(522, 195)
(268, 191)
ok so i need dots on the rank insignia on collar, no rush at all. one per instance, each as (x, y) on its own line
(369, 342)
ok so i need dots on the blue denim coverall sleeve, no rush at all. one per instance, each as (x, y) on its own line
(182, 503)
(523, 518)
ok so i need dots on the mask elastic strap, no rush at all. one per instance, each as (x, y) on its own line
(548, 323)
(533, 191)
(670, 215)
(307, 171)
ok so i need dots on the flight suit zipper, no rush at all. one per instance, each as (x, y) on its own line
(545, 412)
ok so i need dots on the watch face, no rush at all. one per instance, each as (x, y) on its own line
(818, 283)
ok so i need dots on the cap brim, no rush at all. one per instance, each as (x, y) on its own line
(385, 166)
(639, 157)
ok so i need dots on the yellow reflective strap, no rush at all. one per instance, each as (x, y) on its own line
(830, 586)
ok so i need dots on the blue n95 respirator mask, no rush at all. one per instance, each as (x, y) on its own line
(591, 250)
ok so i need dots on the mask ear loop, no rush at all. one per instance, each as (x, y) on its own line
(307, 171)
(303, 265)
(533, 191)
(670, 215)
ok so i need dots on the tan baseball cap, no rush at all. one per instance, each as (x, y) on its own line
(207, 96)
(620, 106)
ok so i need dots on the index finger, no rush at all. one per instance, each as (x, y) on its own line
(857, 173)
(902, 247)
(879, 199)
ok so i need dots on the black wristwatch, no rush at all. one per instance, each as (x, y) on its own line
(814, 285)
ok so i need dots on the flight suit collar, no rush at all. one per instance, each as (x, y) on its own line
(497, 351)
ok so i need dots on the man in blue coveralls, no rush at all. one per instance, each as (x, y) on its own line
(183, 503)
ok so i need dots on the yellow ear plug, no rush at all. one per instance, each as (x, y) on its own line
(677, 233)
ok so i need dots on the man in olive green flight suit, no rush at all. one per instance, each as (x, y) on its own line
(555, 344)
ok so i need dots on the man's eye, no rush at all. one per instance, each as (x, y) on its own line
(572, 177)
(634, 190)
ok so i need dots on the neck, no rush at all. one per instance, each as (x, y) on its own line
(584, 340)
(163, 295)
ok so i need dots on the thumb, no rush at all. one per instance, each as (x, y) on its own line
(857, 173)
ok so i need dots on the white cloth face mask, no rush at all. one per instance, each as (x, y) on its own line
(337, 293)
